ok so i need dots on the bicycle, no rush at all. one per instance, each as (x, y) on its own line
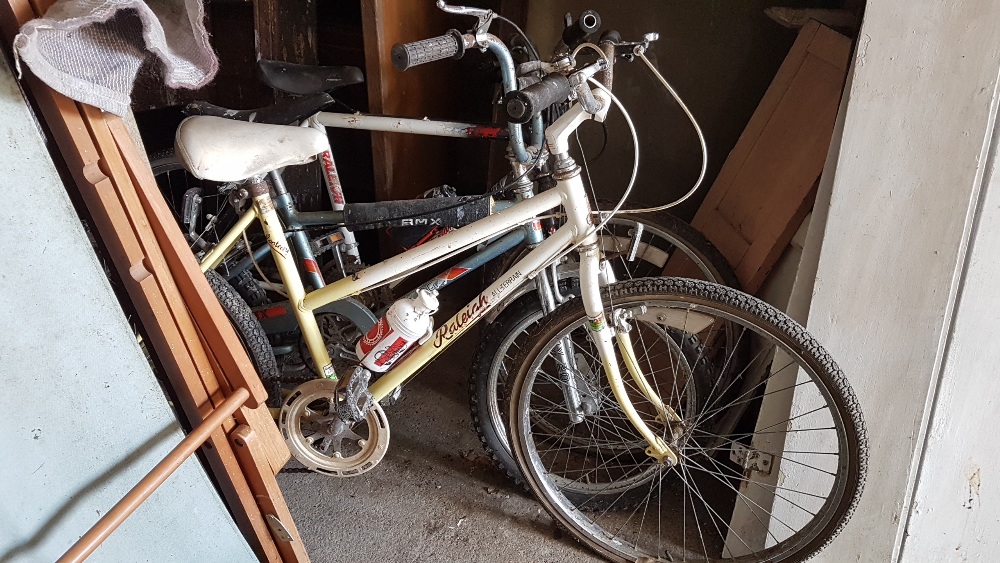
(643, 244)
(612, 458)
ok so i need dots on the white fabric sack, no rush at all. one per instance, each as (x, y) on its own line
(91, 50)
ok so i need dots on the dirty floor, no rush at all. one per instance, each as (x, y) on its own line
(434, 497)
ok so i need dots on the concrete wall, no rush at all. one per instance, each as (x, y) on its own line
(909, 313)
(82, 416)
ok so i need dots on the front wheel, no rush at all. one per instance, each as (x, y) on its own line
(777, 485)
(636, 245)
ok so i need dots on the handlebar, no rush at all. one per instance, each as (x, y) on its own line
(577, 32)
(521, 105)
(448, 46)
(560, 81)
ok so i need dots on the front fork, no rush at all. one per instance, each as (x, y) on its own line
(592, 269)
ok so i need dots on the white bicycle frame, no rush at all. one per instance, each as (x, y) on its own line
(578, 231)
(331, 178)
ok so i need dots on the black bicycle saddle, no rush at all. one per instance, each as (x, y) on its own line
(284, 112)
(303, 80)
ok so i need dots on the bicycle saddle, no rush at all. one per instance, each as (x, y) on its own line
(223, 150)
(307, 79)
(283, 112)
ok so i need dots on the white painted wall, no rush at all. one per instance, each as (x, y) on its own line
(917, 137)
(956, 507)
(82, 418)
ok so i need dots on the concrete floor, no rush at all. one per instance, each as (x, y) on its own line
(435, 496)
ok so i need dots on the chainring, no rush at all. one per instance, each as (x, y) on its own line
(321, 441)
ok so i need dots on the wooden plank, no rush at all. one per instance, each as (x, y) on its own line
(768, 104)
(153, 266)
(272, 444)
(286, 30)
(406, 165)
(192, 285)
(251, 450)
(94, 161)
(767, 185)
(195, 399)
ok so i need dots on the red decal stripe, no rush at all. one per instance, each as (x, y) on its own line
(272, 312)
(486, 132)
(452, 273)
(312, 266)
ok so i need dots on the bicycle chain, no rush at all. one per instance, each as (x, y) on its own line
(287, 469)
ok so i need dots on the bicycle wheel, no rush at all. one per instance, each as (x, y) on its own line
(777, 486)
(250, 333)
(640, 245)
(203, 209)
(660, 236)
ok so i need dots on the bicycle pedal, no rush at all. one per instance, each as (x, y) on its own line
(353, 398)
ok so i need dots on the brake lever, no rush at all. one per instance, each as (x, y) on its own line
(578, 81)
(484, 16)
(628, 50)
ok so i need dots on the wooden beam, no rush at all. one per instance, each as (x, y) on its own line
(797, 18)
(406, 165)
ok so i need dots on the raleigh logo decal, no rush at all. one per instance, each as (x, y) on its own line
(332, 178)
(459, 322)
(278, 246)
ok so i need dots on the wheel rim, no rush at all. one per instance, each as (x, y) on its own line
(706, 533)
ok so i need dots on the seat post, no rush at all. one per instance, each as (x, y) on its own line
(256, 186)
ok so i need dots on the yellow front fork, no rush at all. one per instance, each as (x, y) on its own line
(666, 414)
(602, 334)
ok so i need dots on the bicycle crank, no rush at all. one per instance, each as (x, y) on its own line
(321, 440)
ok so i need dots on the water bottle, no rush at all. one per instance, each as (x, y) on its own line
(407, 322)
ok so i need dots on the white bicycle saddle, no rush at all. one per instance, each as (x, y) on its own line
(224, 150)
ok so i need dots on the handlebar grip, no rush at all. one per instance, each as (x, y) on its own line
(575, 34)
(408, 55)
(607, 44)
(520, 105)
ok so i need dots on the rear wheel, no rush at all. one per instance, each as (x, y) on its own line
(250, 333)
(776, 486)
(204, 210)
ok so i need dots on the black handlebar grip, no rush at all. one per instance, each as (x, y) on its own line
(611, 36)
(407, 55)
(520, 105)
(574, 34)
